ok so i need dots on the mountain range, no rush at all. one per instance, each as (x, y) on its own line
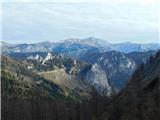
(77, 47)
(116, 61)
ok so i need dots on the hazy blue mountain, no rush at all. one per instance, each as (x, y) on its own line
(76, 47)
(128, 47)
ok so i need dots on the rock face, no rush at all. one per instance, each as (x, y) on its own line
(97, 77)
(118, 66)
(48, 57)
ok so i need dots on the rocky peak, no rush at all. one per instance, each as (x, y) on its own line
(48, 57)
(96, 77)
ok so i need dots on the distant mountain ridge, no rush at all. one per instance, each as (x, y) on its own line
(77, 47)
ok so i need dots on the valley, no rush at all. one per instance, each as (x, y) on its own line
(84, 79)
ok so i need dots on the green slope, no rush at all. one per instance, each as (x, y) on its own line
(18, 81)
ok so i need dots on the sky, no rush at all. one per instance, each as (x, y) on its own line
(30, 21)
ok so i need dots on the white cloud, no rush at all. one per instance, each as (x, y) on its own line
(47, 21)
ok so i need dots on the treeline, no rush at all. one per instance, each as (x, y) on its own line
(139, 104)
(42, 109)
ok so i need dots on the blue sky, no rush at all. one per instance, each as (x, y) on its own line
(113, 20)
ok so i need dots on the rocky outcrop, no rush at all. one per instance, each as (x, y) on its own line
(97, 78)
